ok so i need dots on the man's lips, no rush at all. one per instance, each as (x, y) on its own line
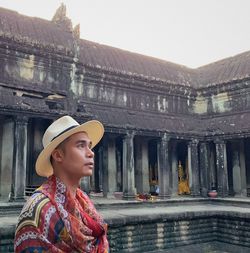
(90, 164)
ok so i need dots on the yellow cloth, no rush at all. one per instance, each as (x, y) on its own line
(183, 186)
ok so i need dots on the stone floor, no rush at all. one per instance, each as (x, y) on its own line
(215, 247)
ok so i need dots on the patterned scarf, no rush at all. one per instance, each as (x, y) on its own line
(63, 223)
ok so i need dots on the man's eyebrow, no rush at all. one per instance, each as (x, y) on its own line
(84, 142)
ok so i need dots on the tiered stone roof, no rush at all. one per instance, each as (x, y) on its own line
(44, 33)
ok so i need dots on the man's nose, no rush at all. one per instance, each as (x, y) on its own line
(90, 153)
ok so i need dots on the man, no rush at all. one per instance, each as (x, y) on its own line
(59, 217)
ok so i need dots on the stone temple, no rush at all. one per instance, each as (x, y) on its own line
(170, 131)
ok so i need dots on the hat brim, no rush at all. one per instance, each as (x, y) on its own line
(94, 130)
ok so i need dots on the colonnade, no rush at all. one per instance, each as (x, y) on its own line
(123, 163)
(203, 173)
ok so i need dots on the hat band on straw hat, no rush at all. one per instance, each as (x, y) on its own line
(67, 129)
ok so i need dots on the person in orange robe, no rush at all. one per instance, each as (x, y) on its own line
(183, 185)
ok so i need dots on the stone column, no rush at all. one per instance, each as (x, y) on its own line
(1, 145)
(109, 166)
(19, 159)
(141, 166)
(221, 168)
(174, 171)
(212, 165)
(128, 166)
(204, 169)
(7, 144)
(238, 169)
(163, 167)
(118, 168)
(85, 184)
(194, 178)
(243, 169)
(100, 171)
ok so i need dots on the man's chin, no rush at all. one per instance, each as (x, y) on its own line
(88, 173)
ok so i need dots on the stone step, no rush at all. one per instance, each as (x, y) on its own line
(149, 226)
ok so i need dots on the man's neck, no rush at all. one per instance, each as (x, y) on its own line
(71, 183)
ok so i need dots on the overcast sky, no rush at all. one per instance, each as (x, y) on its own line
(187, 32)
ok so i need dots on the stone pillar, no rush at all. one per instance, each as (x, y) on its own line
(163, 167)
(239, 169)
(7, 143)
(85, 184)
(174, 170)
(221, 168)
(204, 169)
(19, 159)
(212, 165)
(128, 166)
(243, 169)
(118, 167)
(193, 166)
(1, 145)
(109, 166)
(100, 168)
(141, 166)
(236, 169)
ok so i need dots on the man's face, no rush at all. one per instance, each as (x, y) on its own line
(78, 158)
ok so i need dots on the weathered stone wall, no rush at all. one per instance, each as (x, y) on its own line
(223, 98)
(159, 235)
(126, 91)
(34, 68)
(33, 80)
(156, 234)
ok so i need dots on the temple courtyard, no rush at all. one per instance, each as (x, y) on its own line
(182, 224)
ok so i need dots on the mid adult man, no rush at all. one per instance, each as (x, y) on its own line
(59, 217)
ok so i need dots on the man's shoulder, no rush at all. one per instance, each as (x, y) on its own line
(36, 201)
(32, 210)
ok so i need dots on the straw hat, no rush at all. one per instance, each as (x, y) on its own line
(60, 130)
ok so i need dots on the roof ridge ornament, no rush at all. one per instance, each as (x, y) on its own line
(60, 18)
(76, 31)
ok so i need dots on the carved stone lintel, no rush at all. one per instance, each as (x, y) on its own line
(21, 120)
(129, 135)
(194, 142)
(165, 138)
(219, 141)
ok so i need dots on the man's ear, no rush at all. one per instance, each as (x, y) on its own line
(57, 155)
